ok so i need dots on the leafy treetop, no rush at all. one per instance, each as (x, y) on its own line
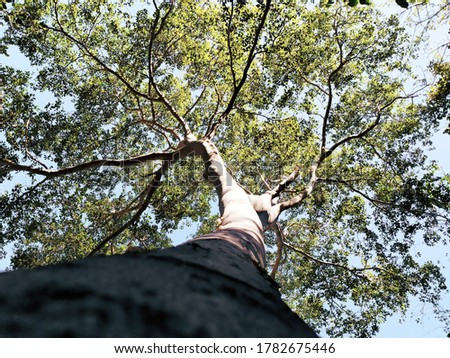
(317, 108)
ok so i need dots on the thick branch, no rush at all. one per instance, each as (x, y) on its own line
(285, 183)
(186, 148)
(86, 166)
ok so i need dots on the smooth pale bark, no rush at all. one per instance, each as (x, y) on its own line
(243, 217)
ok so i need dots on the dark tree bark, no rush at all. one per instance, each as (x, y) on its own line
(203, 288)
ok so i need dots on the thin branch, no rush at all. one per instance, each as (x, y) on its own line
(27, 151)
(429, 18)
(216, 110)
(230, 52)
(195, 102)
(26, 193)
(325, 154)
(130, 207)
(319, 87)
(266, 184)
(153, 34)
(164, 128)
(84, 48)
(355, 271)
(376, 202)
(374, 149)
(362, 133)
(161, 129)
(149, 193)
(250, 58)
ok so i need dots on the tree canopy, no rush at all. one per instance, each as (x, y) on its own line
(317, 106)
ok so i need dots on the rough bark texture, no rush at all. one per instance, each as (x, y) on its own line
(204, 288)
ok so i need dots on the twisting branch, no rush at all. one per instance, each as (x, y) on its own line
(251, 56)
(342, 62)
(365, 131)
(306, 191)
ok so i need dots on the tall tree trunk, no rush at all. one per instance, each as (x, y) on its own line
(204, 288)
(212, 286)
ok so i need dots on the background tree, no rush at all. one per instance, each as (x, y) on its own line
(316, 113)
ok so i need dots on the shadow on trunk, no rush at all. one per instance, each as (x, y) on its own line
(203, 288)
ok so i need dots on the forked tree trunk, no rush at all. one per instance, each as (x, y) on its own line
(212, 286)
